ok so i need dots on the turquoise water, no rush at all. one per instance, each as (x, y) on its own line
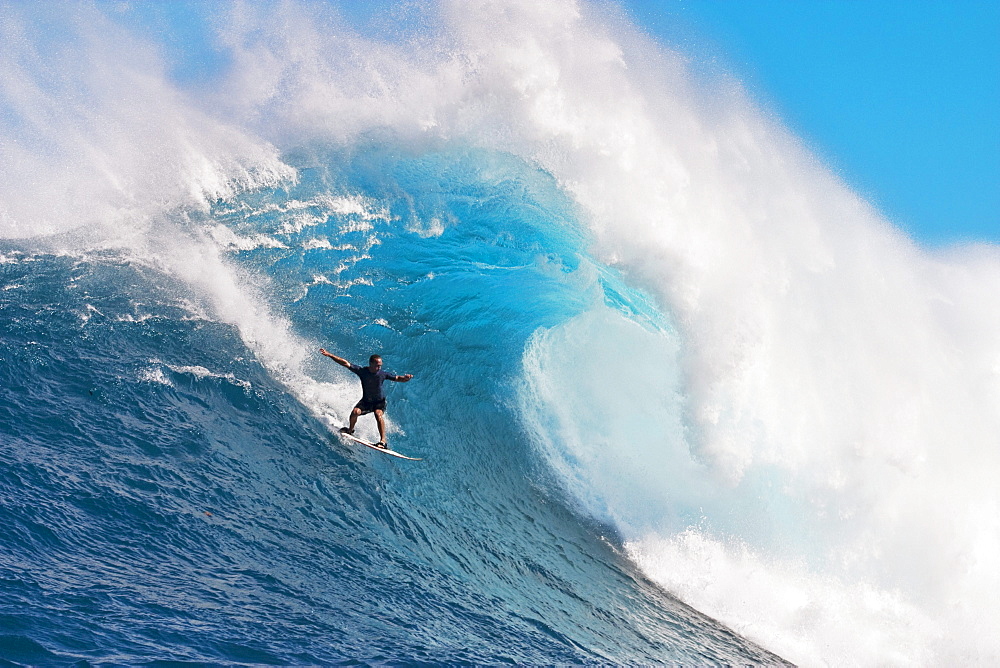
(167, 499)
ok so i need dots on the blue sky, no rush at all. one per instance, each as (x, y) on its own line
(901, 97)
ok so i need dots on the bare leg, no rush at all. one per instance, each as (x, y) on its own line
(381, 425)
(354, 418)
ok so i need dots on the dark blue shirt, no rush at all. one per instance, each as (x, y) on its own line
(371, 383)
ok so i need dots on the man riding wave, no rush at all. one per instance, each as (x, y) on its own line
(372, 395)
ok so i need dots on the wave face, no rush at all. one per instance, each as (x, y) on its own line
(676, 387)
(171, 485)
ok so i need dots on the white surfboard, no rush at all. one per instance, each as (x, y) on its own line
(386, 451)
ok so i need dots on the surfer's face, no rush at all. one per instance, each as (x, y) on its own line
(375, 365)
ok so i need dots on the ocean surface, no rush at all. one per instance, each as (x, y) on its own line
(680, 395)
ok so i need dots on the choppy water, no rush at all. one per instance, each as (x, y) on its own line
(167, 498)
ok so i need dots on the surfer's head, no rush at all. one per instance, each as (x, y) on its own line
(375, 362)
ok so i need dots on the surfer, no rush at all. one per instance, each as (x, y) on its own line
(372, 396)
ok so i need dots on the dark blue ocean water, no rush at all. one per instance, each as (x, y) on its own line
(166, 496)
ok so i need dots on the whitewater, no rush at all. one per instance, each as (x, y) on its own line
(682, 396)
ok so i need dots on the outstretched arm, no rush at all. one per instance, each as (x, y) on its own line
(339, 360)
(402, 379)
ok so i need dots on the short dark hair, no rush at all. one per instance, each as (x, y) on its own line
(374, 358)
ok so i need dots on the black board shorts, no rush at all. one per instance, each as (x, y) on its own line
(370, 405)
